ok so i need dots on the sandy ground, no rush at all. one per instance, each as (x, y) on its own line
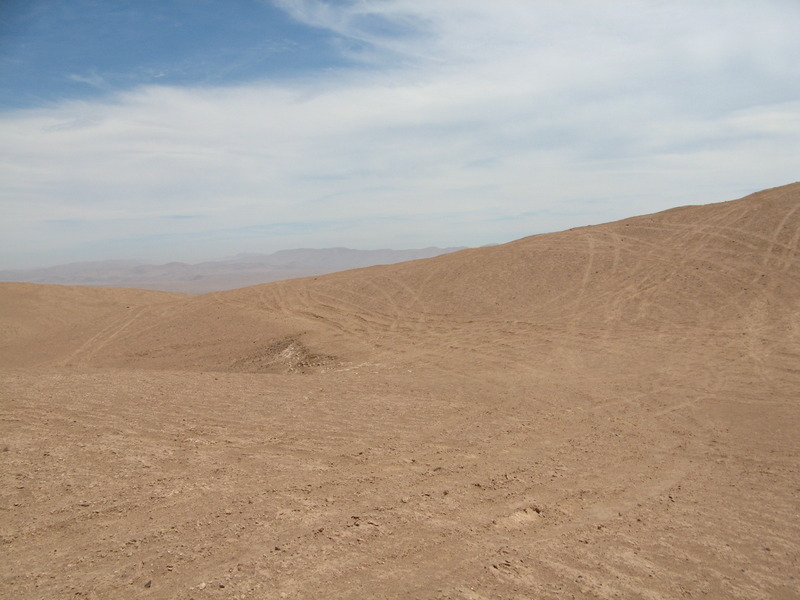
(607, 412)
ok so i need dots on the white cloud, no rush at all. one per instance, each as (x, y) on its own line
(93, 79)
(481, 113)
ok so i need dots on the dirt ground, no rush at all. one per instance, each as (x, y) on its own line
(606, 412)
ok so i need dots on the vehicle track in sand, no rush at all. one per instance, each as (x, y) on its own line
(91, 347)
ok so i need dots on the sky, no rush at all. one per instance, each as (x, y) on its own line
(191, 130)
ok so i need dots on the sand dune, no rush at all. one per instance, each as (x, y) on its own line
(610, 411)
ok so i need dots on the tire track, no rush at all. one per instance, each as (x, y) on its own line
(91, 347)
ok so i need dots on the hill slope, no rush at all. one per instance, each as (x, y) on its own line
(610, 411)
(731, 267)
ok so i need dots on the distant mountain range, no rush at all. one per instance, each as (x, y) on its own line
(240, 271)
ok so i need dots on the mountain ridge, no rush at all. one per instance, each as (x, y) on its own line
(208, 276)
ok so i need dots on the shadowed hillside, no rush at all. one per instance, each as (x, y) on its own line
(609, 411)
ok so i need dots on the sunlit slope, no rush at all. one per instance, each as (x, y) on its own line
(702, 264)
(46, 324)
(730, 268)
(73, 326)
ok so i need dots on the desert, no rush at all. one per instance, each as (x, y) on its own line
(610, 411)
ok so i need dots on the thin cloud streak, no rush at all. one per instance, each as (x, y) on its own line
(467, 123)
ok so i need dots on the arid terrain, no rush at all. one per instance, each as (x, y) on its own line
(606, 412)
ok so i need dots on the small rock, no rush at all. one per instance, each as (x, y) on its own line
(148, 584)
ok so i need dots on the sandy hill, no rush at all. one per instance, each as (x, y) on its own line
(725, 268)
(609, 411)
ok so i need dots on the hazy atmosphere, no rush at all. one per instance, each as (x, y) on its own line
(185, 130)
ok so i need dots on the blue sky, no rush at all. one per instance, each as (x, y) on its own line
(197, 129)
